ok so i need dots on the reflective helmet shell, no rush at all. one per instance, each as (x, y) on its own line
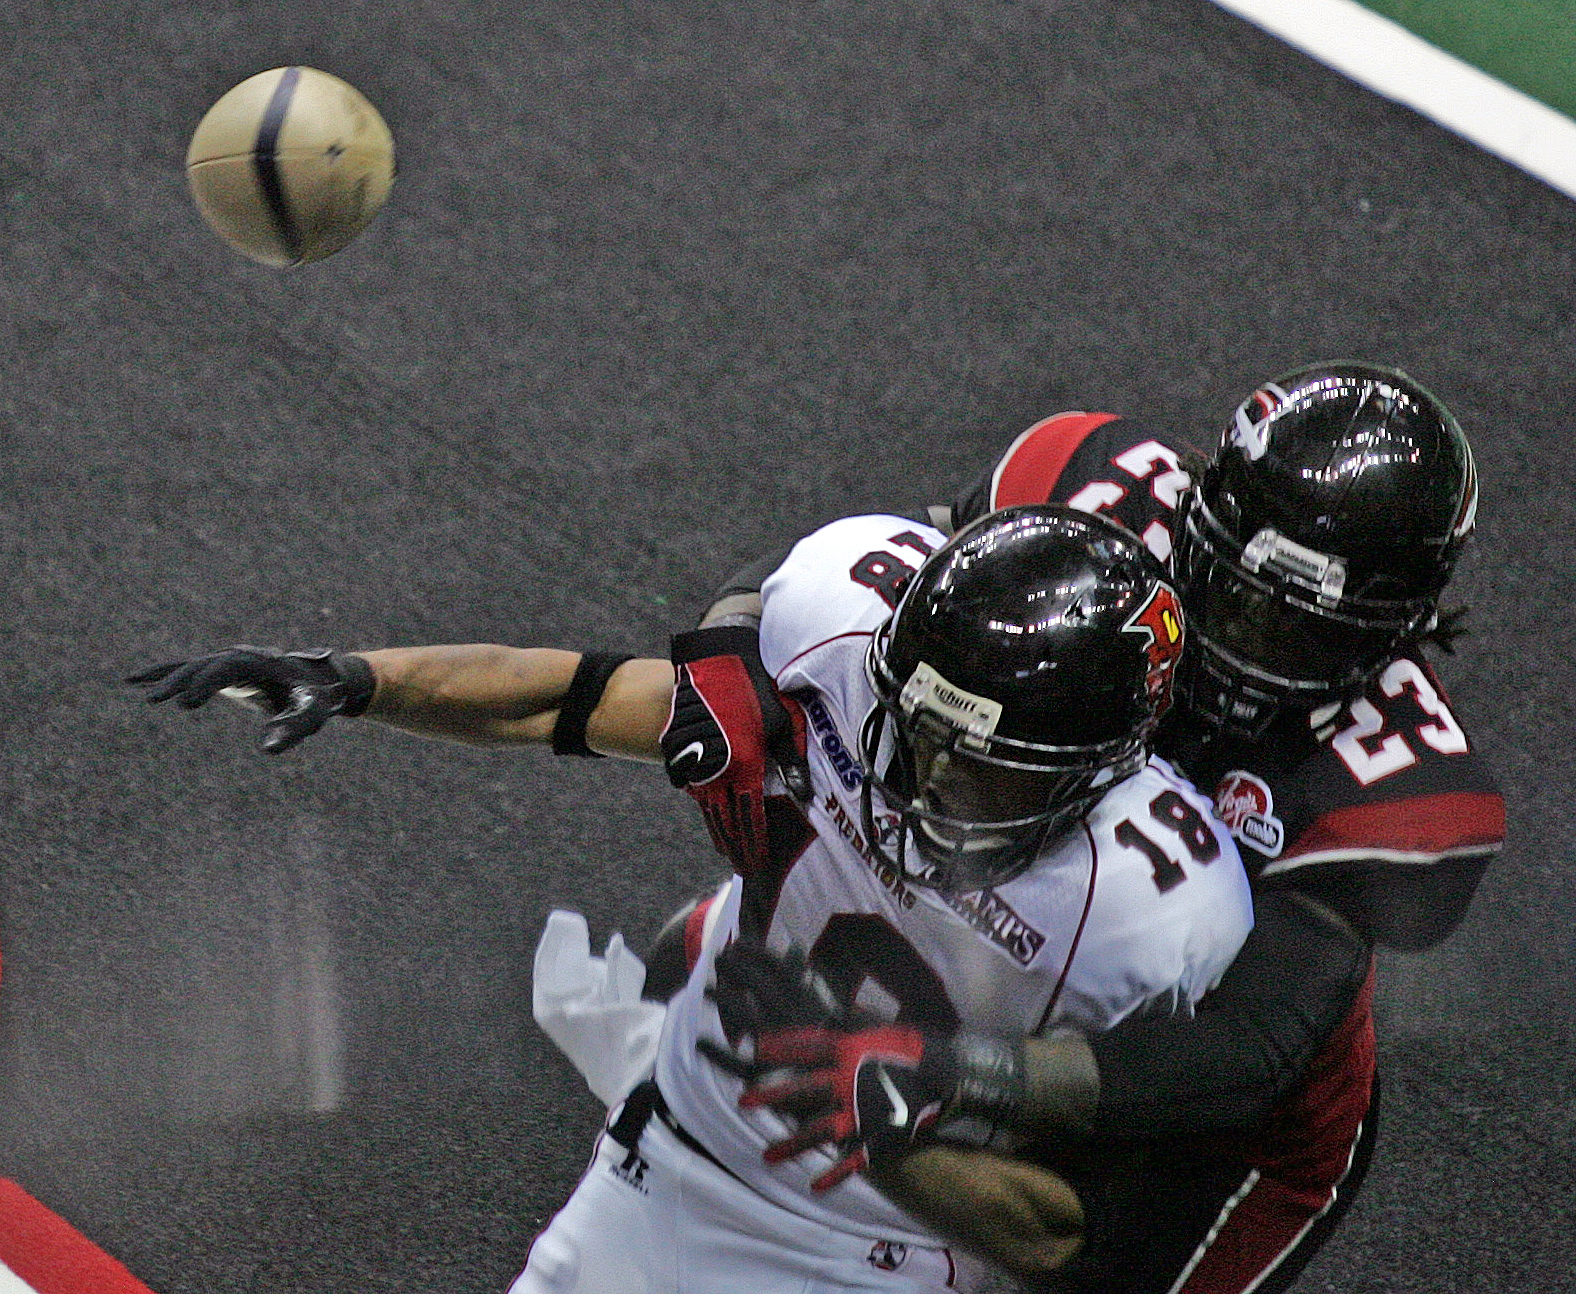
(1319, 538)
(1039, 639)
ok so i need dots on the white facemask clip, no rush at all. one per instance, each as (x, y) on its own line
(1324, 574)
(928, 694)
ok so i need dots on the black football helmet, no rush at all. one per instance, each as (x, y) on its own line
(1318, 540)
(1020, 677)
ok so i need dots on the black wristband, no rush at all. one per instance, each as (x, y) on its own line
(585, 691)
(358, 680)
(715, 640)
(992, 1078)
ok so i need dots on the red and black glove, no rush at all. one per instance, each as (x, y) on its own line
(728, 719)
(866, 1090)
(877, 1091)
(869, 1094)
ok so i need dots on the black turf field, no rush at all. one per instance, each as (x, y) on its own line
(658, 286)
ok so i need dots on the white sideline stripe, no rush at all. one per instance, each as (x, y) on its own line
(11, 1283)
(1390, 60)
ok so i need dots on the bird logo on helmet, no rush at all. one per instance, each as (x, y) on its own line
(1159, 621)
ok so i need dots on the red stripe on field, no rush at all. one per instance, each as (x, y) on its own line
(51, 1255)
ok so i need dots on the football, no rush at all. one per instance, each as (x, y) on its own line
(290, 165)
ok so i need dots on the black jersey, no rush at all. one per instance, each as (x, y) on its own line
(1379, 806)
(1094, 461)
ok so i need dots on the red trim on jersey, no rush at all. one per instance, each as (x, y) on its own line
(1264, 1222)
(49, 1254)
(1029, 470)
(1298, 1166)
(1072, 949)
(694, 928)
(1426, 825)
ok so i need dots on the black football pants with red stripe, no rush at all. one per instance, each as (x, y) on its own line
(1240, 1214)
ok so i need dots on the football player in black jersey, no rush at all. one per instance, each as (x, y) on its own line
(1311, 550)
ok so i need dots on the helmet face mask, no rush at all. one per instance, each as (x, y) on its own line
(1317, 542)
(1262, 642)
(991, 735)
(969, 816)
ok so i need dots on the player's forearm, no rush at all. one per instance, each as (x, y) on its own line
(733, 609)
(1295, 980)
(738, 601)
(1022, 1217)
(487, 694)
(1222, 1070)
(1061, 1087)
(474, 692)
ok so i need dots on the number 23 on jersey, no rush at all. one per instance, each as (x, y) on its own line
(1371, 756)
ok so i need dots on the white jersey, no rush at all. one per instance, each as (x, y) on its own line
(1140, 907)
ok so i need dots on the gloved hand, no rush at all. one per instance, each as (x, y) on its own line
(728, 720)
(867, 1092)
(299, 691)
(759, 992)
(862, 1087)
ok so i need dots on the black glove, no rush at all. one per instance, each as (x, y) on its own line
(728, 720)
(299, 691)
(757, 991)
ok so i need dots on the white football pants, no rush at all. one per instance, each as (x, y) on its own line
(664, 1220)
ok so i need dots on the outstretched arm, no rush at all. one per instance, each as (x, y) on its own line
(478, 693)
(492, 695)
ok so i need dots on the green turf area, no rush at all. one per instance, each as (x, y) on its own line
(1530, 44)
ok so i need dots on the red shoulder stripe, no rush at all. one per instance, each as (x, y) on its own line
(1418, 830)
(1029, 470)
(695, 932)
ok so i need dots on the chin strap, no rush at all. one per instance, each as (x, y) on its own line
(1445, 629)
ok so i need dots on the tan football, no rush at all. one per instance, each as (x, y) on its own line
(290, 165)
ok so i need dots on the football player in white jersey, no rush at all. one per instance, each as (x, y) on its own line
(989, 851)
(1311, 551)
